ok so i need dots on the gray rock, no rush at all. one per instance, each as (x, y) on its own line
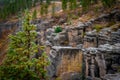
(91, 33)
(53, 34)
(81, 25)
(44, 25)
(49, 38)
(117, 17)
(105, 30)
(37, 21)
(49, 31)
(88, 23)
(103, 17)
(89, 39)
(92, 20)
(71, 76)
(62, 20)
(112, 77)
(48, 43)
(89, 78)
(92, 50)
(80, 46)
(0, 33)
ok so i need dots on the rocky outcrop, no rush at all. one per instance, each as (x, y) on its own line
(102, 60)
(112, 77)
(64, 60)
(112, 16)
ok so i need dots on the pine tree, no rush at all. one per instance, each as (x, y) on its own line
(53, 9)
(64, 4)
(41, 1)
(42, 10)
(46, 8)
(108, 3)
(72, 4)
(19, 63)
(34, 15)
(85, 4)
(48, 1)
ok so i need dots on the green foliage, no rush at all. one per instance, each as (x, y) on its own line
(34, 15)
(72, 4)
(48, 1)
(58, 29)
(41, 1)
(19, 63)
(64, 4)
(46, 8)
(11, 7)
(42, 10)
(83, 34)
(69, 18)
(98, 28)
(85, 4)
(53, 9)
(108, 3)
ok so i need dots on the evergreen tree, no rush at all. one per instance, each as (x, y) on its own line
(34, 15)
(41, 1)
(46, 8)
(108, 3)
(72, 4)
(85, 4)
(64, 4)
(14, 6)
(48, 1)
(19, 63)
(42, 9)
(53, 9)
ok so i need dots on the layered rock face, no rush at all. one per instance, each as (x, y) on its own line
(64, 60)
(102, 60)
(83, 51)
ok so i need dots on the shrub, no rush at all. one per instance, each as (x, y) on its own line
(64, 4)
(98, 28)
(19, 63)
(53, 9)
(34, 15)
(58, 29)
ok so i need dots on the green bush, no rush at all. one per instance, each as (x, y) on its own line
(64, 4)
(19, 63)
(34, 15)
(98, 28)
(58, 29)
